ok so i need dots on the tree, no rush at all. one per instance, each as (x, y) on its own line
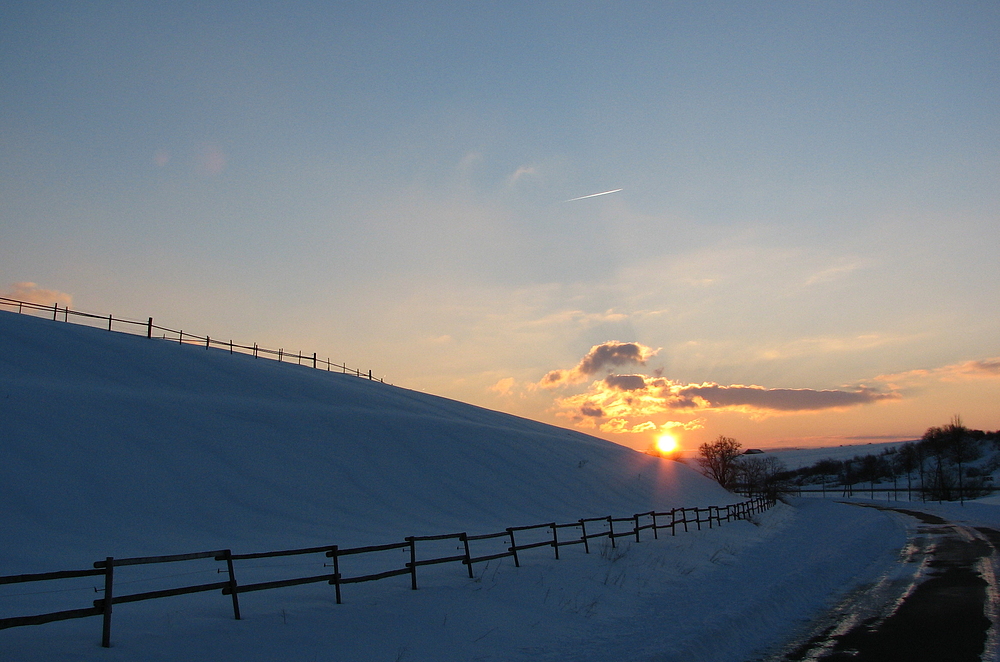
(751, 473)
(935, 440)
(720, 460)
(962, 448)
(761, 476)
(908, 459)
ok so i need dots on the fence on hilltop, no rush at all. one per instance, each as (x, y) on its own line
(138, 327)
(515, 539)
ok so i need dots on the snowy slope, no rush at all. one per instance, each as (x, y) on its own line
(117, 445)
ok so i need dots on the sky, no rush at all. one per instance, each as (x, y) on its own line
(802, 252)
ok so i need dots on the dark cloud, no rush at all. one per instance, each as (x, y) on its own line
(714, 396)
(626, 382)
(614, 353)
(987, 366)
(553, 377)
(611, 353)
(593, 412)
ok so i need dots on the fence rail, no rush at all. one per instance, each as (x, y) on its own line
(138, 327)
(106, 568)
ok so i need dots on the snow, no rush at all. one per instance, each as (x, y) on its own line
(117, 445)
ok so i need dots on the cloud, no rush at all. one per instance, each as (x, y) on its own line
(986, 368)
(714, 396)
(977, 369)
(833, 273)
(523, 171)
(638, 396)
(626, 382)
(611, 353)
(623, 426)
(696, 424)
(503, 387)
(32, 293)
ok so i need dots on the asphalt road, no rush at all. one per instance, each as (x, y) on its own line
(936, 608)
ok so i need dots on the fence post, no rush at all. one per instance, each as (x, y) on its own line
(55, 311)
(413, 562)
(149, 328)
(656, 535)
(513, 547)
(314, 360)
(232, 583)
(611, 531)
(230, 345)
(636, 526)
(109, 573)
(335, 553)
(208, 341)
(555, 540)
(279, 355)
(586, 543)
(180, 337)
(109, 322)
(369, 374)
(468, 554)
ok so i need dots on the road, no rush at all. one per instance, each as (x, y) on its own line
(937, 607)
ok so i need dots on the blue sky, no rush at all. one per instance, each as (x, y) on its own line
(809, 197)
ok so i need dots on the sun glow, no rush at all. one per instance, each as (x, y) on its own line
(666, 443)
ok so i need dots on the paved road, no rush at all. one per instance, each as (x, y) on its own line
(938, 608)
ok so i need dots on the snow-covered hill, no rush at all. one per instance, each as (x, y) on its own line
(118, 445)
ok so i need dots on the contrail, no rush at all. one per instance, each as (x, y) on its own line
(592, 195)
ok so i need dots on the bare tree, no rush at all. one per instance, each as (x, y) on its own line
(751, 473)
(759, 475)
(720, 460)
(907, 460)
(962, 448)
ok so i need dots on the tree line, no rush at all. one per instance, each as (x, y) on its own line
(943, 465)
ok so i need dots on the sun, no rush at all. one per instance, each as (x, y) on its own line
(666, 443)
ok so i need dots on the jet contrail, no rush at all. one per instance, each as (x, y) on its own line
(592, 195)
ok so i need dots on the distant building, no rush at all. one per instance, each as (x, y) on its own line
(753, 451)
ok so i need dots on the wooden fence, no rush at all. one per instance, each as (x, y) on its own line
(518, 539)
(147, 327)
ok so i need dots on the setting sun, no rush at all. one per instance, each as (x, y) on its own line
(666, 443)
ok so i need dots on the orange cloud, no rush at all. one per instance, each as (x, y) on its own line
(32, 293)
(981, 369)
(503, 387)
(611, 353)
(627, 397)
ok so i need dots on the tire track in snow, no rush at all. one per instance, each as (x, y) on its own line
(939, 609)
